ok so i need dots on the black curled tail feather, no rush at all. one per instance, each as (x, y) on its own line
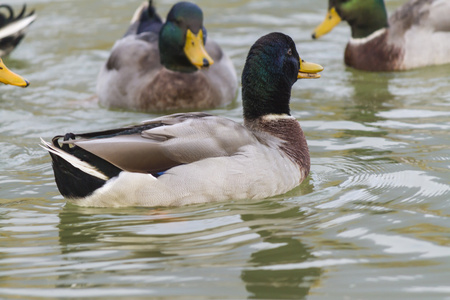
(73, 182)
(149, 21)
(108, 169)
(10, 18)
(22, 13)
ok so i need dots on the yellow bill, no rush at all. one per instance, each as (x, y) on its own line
(309, 70)
(331, 20)
(9, 77)
(195, 50)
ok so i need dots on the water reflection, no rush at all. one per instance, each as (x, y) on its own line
(264, 279)
(188, 247)
(371, 95)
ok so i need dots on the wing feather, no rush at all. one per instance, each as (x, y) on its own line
(188, 138)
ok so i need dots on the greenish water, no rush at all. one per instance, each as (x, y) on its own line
(371, 221)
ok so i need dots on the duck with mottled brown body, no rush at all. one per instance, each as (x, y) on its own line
(167, 66)
(196, 157)
(416, 35)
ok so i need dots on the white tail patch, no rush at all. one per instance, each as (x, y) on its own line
(74, 161)
(16, 26)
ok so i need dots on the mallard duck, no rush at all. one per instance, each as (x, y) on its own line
(167, 66)
(9, 77)
(13, 28)
(416, 35)
(196, 157)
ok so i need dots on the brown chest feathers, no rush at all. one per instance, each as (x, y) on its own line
(178, 91)
(293, 139)
(376, 54)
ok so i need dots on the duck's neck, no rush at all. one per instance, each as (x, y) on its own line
(263, 98)
(177, 62)
(367, 23)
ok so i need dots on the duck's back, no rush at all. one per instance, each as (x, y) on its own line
(423, 29)
(134, 60)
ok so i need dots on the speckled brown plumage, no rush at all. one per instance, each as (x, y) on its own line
(174, 90)
(375, 55)
(289, 131)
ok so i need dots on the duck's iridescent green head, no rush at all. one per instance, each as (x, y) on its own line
(9, 77)
(273, 65)
(363, 16)
(182, 39)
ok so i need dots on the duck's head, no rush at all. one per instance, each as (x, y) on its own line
(9, 77)
(273, 65)
(182, 39)
(363, 16)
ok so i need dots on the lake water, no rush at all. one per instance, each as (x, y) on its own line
(370, 222)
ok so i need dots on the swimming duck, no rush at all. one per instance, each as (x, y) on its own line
(167, 66)
(196, 157)
(9, 77)
(416, 35)
(13, 28)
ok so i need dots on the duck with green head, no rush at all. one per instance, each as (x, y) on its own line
(416, 35)
(190, 158)
(9, 77)
(167, 66)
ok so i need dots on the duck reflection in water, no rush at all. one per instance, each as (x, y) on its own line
(190, 249)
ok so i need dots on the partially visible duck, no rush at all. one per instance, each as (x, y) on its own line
(190, 158)
(167, 66)
(13, 28)
(416, 35)
(9, 77)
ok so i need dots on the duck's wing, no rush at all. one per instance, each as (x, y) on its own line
(157, 145)
(145, 19)
(222, 74)
(427, 14)
(133, 61)
(439, 15)
(134, 58)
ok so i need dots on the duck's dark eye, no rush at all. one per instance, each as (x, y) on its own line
(289, 52)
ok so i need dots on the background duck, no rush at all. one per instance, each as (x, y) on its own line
(9, 77)
(416, 35)
(196, 157)
(13, 28)
(167, 66)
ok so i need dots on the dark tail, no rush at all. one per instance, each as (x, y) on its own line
(71, 181)
(72, 178)
(78, 173)
(149, 21)
(7, 19)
